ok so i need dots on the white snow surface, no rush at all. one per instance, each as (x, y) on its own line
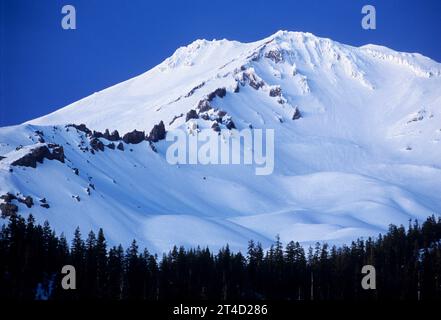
(366, 152)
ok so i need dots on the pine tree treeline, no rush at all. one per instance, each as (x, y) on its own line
(407, 262)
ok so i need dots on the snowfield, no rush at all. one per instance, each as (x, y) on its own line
(363, 151)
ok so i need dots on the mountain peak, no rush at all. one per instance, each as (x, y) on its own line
(299, 61)
(357, 146)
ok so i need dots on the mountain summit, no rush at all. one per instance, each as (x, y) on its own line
(357, 147)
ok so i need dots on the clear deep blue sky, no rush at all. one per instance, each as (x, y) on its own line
(44, 67)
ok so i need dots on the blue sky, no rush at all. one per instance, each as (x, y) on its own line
(43, 67)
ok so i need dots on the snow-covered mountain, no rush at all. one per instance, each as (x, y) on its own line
(357, 147)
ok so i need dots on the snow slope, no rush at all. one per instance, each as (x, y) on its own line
(365, 153)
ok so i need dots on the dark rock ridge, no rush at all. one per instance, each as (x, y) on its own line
(111, 146)
(297, 114)
(57, 152)
(8, 209)
(251, 78)
(192, 91)
(134, 137)
(204, 105)
(37, 154)
(8, 197)
(274, 55)
(158, 132)
(219, 116)
(219, 92)
(40, 135)
(120, 146)
(175, 118)
(215, 126)
(81, 127)
(192, 114)
(97, 134)
(207, 112)
(96, 144)
(222, 113)
(44, 204)
(420, 116)
(205, 116)
(28, 201)
(152, 146)
(275, 92)
(229, 124)
(114, 136)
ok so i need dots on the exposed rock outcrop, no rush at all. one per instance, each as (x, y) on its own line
(111, 146)
(205, 116)
(221, 113)
(192, 91)
(175, 118)
(97, 134)
(297, 114)
(134, 137)
(215, 126)
(96, 144)
(40, 135)
(44, 204)
(37, 154)
(203, 106)
(219, 92)
(8, 209)
(57, 152)
(229, 124)
(158, 132)
(8, 197)
(81, 127)
(192, 114)
(152, 146)
(274, 55)
(28, 201)
(252, 79)
(275, 92)
(114, 136)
